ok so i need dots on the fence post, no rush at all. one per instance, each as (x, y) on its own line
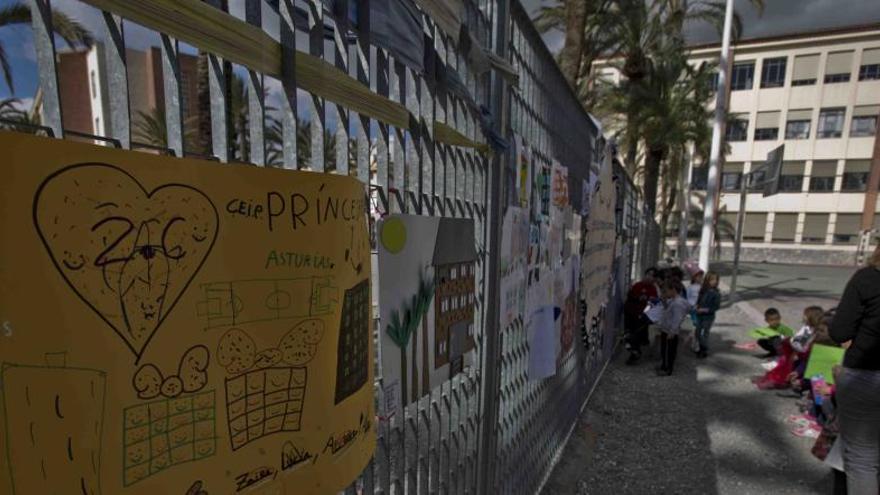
(44, 44)
(492, 349)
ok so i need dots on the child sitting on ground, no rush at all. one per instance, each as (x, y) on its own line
(770, 336)
(675, 310)
(793, 351)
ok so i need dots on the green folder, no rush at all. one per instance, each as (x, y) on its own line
(822, 359)
(767, 332)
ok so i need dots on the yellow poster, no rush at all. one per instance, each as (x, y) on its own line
(174, 326)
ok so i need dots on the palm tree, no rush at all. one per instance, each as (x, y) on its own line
(149, 128)
(15, 118)
(70, 30)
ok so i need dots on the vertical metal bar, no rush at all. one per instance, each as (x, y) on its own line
(44, 44)
(218, 81)
(740, 219)
(256, 104)
(117, 81)
(318, 120)
(490, 385)
(362, 72)
(383, 136)
(289, 124)
(171, 87)
(340, 43)
(398, 155)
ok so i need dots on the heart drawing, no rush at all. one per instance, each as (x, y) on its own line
(128, 253)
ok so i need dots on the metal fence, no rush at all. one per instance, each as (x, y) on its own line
(418, 137)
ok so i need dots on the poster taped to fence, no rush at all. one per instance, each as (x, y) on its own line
(427, 281)
(599, 252)
(179, 326)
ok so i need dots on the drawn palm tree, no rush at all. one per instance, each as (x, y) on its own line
(70, 30)
(425, 296)
(400, 331)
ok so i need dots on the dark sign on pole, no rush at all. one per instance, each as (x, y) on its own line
(772, 169)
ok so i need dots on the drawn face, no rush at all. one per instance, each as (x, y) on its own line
(128, 253)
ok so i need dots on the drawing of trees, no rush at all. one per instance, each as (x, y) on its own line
(425, 296)
(400, 332)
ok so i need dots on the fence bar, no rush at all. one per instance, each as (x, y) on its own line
(219, 75)
(316, 105)
(44, 44)
(256, 151)
(289, 123)
(171, 86)
(117, 80)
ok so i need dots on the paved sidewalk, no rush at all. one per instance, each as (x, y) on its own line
(705, 430)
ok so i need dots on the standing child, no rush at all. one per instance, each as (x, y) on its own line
(708, 303)
(675, 310)
(636, 323)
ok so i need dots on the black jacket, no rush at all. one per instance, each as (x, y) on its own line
(858, 319)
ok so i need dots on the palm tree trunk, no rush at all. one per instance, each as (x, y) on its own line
(403, 371)
(652, 176)
(575, 23)
(415, 367)
(426, 386)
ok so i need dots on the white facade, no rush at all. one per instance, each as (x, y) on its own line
(819, 94)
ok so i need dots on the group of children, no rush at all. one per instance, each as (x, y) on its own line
(661, 301)
(792, 351)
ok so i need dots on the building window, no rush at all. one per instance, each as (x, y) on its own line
(754, 227)
(805, 69)
(831, 122)
(798, 124)
(838, 67)
(738, 128)
(864, 122)
(742, 76)
(766, 134)
(453, 273)
(792, 177)
(767, 126)
(713, 82)
(836, 78)
(797, 129)
(731, 181)
(822, 176)
(870, 68)
(93, 85)
(773, 72)
(784, 227)
(731, 176)
(815, 228)
(847, 228)
(855, 175)
(699, 178)
(757, 182)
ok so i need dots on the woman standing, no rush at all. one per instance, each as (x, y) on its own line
(857, 321)
(708, 303)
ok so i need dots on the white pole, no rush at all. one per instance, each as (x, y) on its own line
(715, 157)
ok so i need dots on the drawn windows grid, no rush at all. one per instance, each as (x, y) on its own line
(263, 402)
(742, 76)
(773, 72)
(168, 432)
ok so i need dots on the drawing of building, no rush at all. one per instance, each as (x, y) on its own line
(353, 352)
(454, 261)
